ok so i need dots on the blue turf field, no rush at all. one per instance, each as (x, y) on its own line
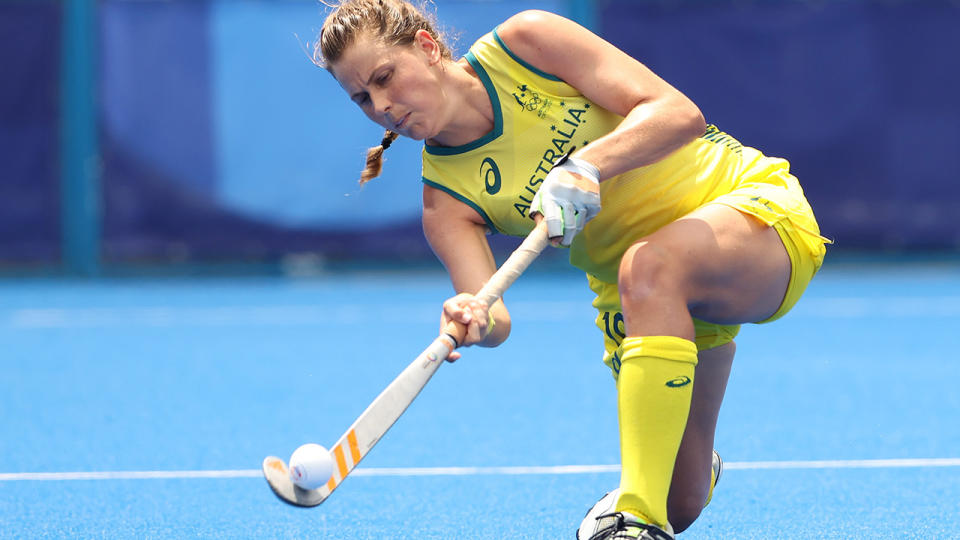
(840, 419)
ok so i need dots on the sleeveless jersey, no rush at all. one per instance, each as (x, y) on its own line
(537, 118)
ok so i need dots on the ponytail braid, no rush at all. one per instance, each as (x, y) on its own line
(392, 22)
(375, 158)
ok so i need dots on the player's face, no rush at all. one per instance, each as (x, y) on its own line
(395, 86)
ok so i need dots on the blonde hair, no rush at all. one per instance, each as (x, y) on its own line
(394, 22)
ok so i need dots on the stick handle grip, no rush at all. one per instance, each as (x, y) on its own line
(509, 271)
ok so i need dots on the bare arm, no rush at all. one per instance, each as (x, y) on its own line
(457, 234)
(658, 118)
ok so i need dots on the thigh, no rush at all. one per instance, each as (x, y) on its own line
(735, 269)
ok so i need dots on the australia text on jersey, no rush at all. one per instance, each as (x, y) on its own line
(563, 134)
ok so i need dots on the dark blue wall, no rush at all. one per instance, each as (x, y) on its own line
(220, 142)
(861, 97)
(29, 133)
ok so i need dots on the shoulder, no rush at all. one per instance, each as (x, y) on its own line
(553, 43)
(531, 27)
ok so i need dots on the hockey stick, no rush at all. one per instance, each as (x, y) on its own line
(399, 394)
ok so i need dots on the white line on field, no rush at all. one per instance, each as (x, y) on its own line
(845, 464)
(312, 315)
(477, 471)
(129, 475)
(263, 315)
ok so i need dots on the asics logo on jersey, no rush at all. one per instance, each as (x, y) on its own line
(491, 175)
(678, 382)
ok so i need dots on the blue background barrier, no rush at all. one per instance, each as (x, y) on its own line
(859, 96)
(29, 127)
(222, 141)
(216, 140)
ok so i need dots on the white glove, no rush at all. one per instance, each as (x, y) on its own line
(568, 198)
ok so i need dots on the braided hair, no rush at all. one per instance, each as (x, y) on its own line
(394, 22)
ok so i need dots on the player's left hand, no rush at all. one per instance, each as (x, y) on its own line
(568, 199)
(470, 311)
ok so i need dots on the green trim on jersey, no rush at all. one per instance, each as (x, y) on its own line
(497, 116)
(464, 200)
(536, 120)
(521, 61)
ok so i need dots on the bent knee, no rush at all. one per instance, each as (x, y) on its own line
(646, 270)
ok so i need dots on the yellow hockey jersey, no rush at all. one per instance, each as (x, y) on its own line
(537, 119)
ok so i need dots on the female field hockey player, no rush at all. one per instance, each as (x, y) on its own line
(683, 232)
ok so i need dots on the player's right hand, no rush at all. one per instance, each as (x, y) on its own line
(468, 310)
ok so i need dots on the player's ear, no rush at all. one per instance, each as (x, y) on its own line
(425, 43)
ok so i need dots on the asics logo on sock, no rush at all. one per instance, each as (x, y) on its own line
(678, 382)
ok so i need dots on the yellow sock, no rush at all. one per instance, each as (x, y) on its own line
(654, 390)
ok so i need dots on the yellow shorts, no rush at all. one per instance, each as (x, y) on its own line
(781, 206)
(610, 322)
(784, 207)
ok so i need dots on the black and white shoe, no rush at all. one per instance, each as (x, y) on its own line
(624, 525)
(603, 515)
(717, 471)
